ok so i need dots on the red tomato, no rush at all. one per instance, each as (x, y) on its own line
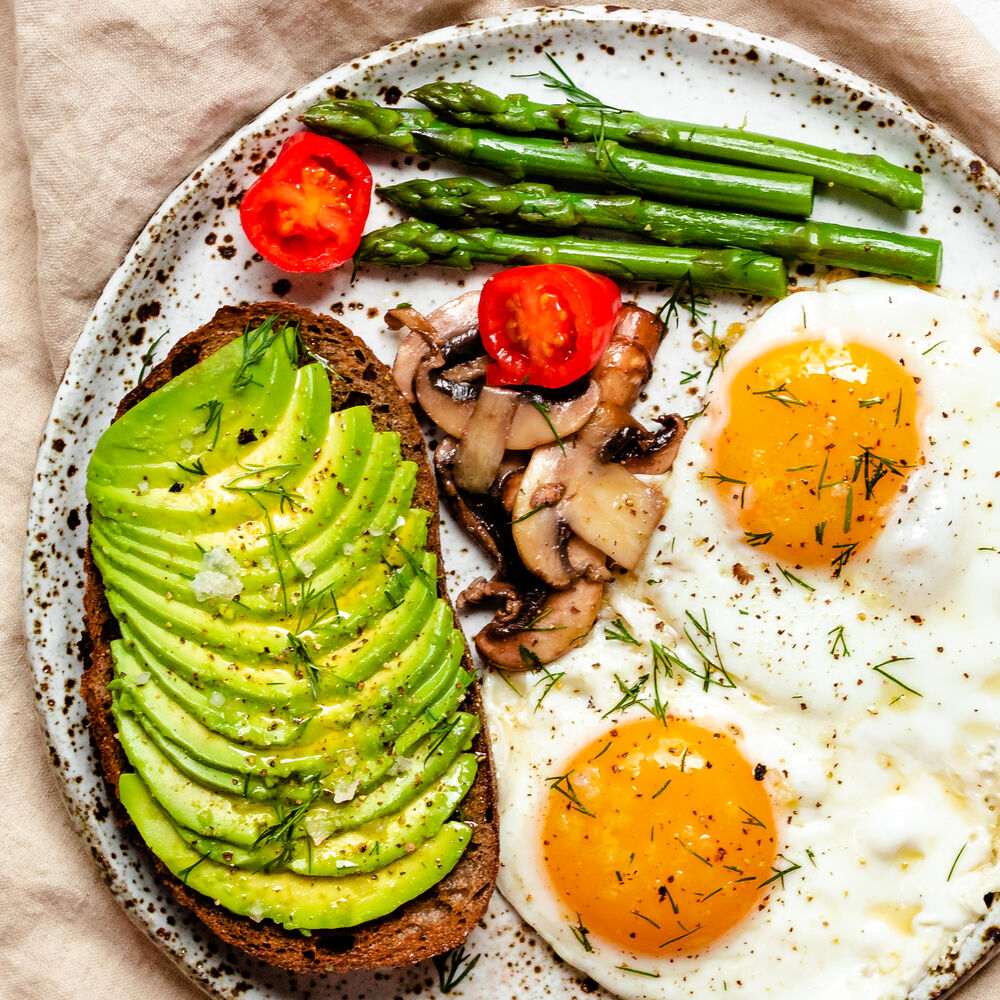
(307, 210)
(546, 324)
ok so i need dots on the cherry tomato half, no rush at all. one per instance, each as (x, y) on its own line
(307, 210)
(546, 324)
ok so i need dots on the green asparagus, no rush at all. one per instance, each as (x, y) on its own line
(469, 105)
(465, 201)
(602, 163)
(417, 242)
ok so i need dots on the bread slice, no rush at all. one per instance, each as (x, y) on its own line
(439, 919)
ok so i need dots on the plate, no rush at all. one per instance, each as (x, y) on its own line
(192, 257)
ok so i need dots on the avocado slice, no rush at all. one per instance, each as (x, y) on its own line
(237, 819)
(287, 680)
(366, 848)
(296, 902)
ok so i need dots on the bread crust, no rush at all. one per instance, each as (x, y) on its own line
(439, 919)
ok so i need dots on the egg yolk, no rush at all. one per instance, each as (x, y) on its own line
(658, 838)
(819, 440)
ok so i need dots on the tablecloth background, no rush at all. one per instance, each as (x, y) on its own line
(105, 105)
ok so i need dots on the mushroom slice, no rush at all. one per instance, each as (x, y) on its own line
(616, 436)
(626, 364)
(537, 422)
(448, 412)
(568, 616)
(456, 316)
(539, 532)
(611, 509)
(483, 442)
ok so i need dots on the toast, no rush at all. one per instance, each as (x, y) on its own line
(441, 918)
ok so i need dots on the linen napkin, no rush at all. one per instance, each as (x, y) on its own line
(104, 108)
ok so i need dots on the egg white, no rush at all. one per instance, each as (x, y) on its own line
(884, 798)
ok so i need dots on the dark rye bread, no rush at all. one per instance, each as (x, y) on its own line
(441, 918)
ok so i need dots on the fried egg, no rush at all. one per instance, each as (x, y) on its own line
(774, 767)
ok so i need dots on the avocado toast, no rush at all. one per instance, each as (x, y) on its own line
(277, 688)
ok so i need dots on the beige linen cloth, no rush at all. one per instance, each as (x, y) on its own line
(105, 106)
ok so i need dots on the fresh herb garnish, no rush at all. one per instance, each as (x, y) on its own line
(282, 833)
(620, 633)
(273, 487)
(710, 663)
(951, 871)
(196, 468)
(780, 873)
(256, 342)
(781, 394)
(147, 358)
(756, 538)
(213, 418)
(721, 478)
(630, 696)
(543, 409)
(564, 786)
(453, 966)
(839, 644)
(684, 296)
(530, 659)
(845, 553)
(638, 972)
(792, 578)
(550, 679)
(879, 669)
(580, 933)
(563, 82)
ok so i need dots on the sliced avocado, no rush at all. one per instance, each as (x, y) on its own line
(287, 679)
(275, 687)
(366, 848)
(225, 497)
(230, 816)
(296, 902)
(198, 412)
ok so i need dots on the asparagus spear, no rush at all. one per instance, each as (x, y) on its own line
(467, 104)
(465, 201)
(603, 163)
(417, 242)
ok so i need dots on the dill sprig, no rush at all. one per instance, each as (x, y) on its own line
(283, 832)
(630, 696)
(961, 851)
(874, 467)
(661, 664)
(453, 966)
(780, 873)
(580, 933)
(781, 394)
(845, 553)
(184, 872)
(530, 659)
(720, 349)
(620, 633)
(147, 358)
(543, 409)
(256, 342)
(684, 296)
(563, 82)
(710, 663)
(213, 418)
(839, 645)
(638, 972)
(273, 487)
(792, 578)
(549, 679)
(756, 538)
(303, 661)
(722, 478)
(533, 625)
(564, 786)
(196, 468)
(879, 669)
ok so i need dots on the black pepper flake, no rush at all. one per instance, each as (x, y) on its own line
(246, 435)
(175, 487)
(759, 771)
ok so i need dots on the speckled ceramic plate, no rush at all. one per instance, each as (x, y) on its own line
(192, 257)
